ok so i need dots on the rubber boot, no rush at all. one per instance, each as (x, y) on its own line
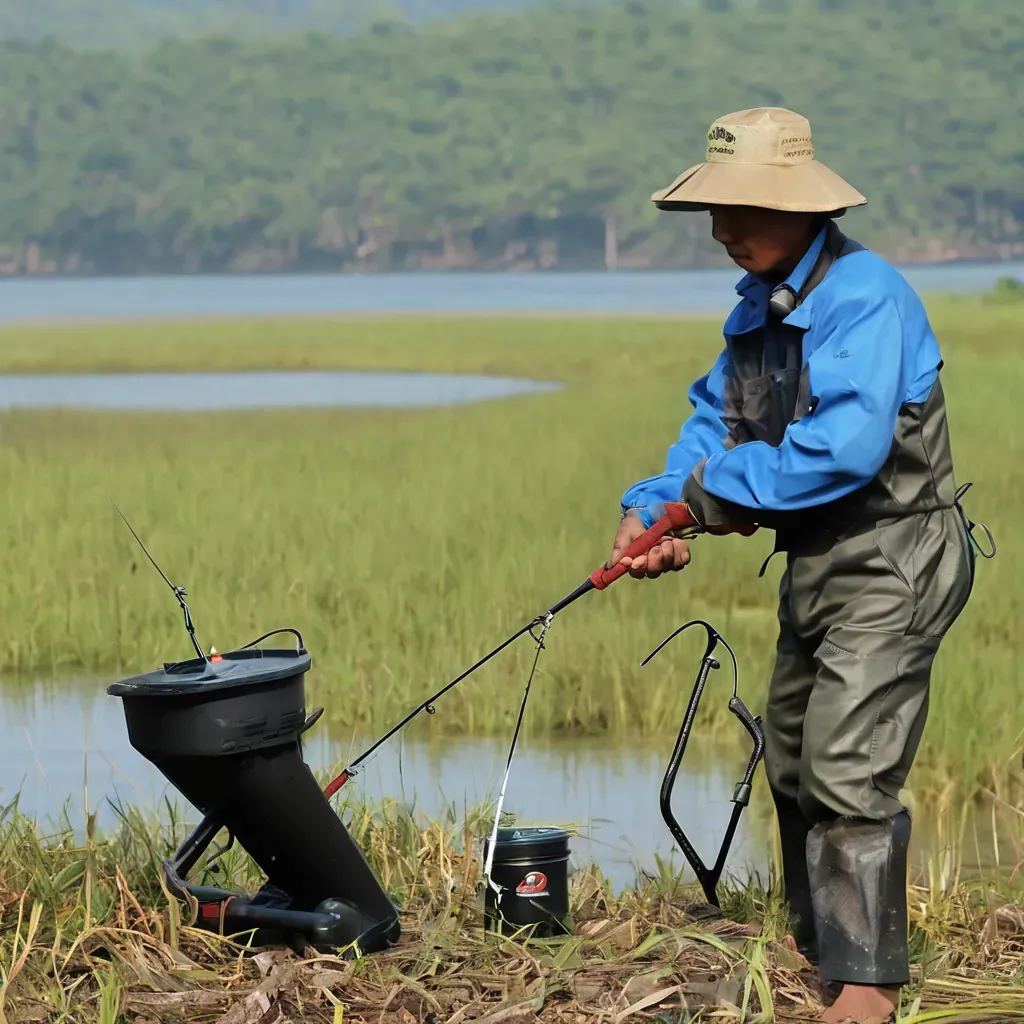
(858, 876)
(794, 830)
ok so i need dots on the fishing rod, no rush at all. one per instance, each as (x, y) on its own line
(676, 521)
(179, 592)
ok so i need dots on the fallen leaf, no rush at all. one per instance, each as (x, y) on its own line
(461, 1013)
(329, 979)
(275, 1015)
(248, 1010)
(701, 994)
(616, 934)
(790, 960)
(252, 1007)
(642, 985)
(594, 926)
(193, 1000)
(588, 988)
(654, 999)
(269, 958)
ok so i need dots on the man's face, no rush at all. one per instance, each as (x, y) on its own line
(762, 241)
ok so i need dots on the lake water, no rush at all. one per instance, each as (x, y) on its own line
(254, 390)
(675, 292)
(67, 747)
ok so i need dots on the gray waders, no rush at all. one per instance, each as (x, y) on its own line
(872, 584)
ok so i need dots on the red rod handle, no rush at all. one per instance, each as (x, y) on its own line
(677, 517)
(335, 784)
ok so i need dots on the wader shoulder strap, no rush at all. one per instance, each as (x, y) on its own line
(836, 246)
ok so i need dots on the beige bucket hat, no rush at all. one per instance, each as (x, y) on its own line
(760, 157)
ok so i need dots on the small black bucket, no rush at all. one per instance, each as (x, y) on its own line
(531, 868)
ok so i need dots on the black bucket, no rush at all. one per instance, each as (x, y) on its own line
(227, 733)
(531, 866)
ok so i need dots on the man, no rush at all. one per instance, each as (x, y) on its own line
(824, 420)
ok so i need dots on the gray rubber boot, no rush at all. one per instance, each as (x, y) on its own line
(858, 876)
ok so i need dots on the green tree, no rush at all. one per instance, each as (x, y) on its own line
(499, 137)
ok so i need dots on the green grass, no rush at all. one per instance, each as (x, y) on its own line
(405, 544)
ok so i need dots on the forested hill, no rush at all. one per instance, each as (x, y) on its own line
(517, 138)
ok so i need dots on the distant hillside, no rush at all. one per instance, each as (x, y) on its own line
(512, 139)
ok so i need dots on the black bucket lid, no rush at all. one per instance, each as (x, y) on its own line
(252, 667)
(516, 843)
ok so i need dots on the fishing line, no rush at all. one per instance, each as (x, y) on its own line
(545, 625)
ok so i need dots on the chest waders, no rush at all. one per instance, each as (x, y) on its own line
(872, 583)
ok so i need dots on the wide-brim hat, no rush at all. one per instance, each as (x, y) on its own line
(760, 157)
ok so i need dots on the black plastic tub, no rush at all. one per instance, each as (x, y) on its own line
(531, 867)
(226, 732)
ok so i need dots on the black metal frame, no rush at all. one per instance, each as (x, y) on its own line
(268, 913)
(708, 877)
(233, 913)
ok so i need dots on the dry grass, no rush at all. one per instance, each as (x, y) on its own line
(86, 935)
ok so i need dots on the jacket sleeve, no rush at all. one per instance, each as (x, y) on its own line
(702, 434)
(857, 377)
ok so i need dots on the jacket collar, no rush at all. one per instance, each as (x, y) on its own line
(752, 310)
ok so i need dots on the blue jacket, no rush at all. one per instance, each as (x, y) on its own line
(868, 349)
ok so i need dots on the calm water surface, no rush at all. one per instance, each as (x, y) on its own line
(689, 291)
(255, 390)
(67, 747)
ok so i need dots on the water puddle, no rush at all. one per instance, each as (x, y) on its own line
(204, 392)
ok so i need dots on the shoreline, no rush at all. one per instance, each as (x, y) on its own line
(707, 314)
(479, 271)
(156, 319)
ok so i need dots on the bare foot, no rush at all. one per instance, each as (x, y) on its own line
(862, 1004)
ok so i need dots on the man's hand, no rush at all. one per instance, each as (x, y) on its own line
(670, 555)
